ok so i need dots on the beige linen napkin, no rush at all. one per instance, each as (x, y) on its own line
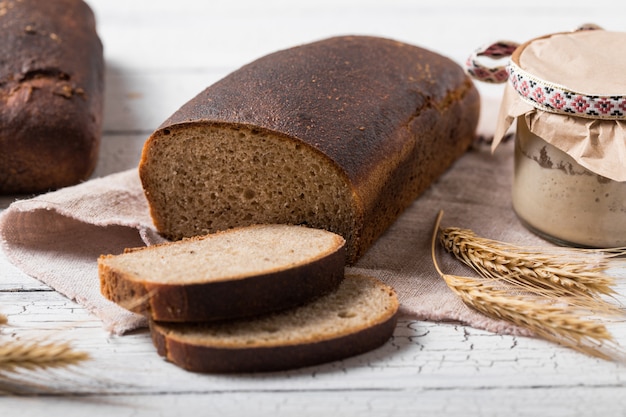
(57, 237)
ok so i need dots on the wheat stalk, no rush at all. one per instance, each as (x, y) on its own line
(32, 355)
(554, 323)
(553, 306)
(37, 355)
(574, 271)
(16, 356)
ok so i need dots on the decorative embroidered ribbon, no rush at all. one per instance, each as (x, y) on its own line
(558, 99)
(500, 49)
(541, 94)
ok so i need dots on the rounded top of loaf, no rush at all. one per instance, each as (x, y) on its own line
(51, 94)
(40, 41)
(342, 95)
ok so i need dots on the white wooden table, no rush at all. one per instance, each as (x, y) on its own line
(159, 54)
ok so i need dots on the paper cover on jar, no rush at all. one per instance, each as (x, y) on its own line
(571, 91)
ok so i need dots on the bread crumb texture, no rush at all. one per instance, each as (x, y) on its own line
(228, 255)
(210, 178)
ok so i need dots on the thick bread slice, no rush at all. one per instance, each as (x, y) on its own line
(239, 272)
(359, 316)
(341, 134)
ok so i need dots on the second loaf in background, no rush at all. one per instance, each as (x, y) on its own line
(341, 134)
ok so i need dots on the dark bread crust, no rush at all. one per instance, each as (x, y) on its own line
(51, 93)
(392, 117)
(205, 358)
(250, 296)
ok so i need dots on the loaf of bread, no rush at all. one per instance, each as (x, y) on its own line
(359, 316)
(51, 93)
(239, 272)
(341, 134)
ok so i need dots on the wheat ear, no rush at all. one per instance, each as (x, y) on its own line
(37, 355)
(568, 269)
(34, 354)
(555, 320)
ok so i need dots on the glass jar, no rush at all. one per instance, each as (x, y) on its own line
(567, 92)
(557, 198)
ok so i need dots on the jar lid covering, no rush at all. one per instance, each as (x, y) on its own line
(570, 90)
(579, 73)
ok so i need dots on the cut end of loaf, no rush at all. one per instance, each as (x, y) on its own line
(357, 317)
(203, 178)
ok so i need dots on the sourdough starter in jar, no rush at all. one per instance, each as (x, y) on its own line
(559, 199)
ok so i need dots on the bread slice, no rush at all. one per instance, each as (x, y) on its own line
(340, 134)
(359, 316)
(240, 272)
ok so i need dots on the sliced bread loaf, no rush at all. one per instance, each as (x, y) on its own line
(240, 272)
(341, 134)
(357, 317)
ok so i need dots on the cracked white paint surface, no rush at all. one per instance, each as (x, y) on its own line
(429, 367)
